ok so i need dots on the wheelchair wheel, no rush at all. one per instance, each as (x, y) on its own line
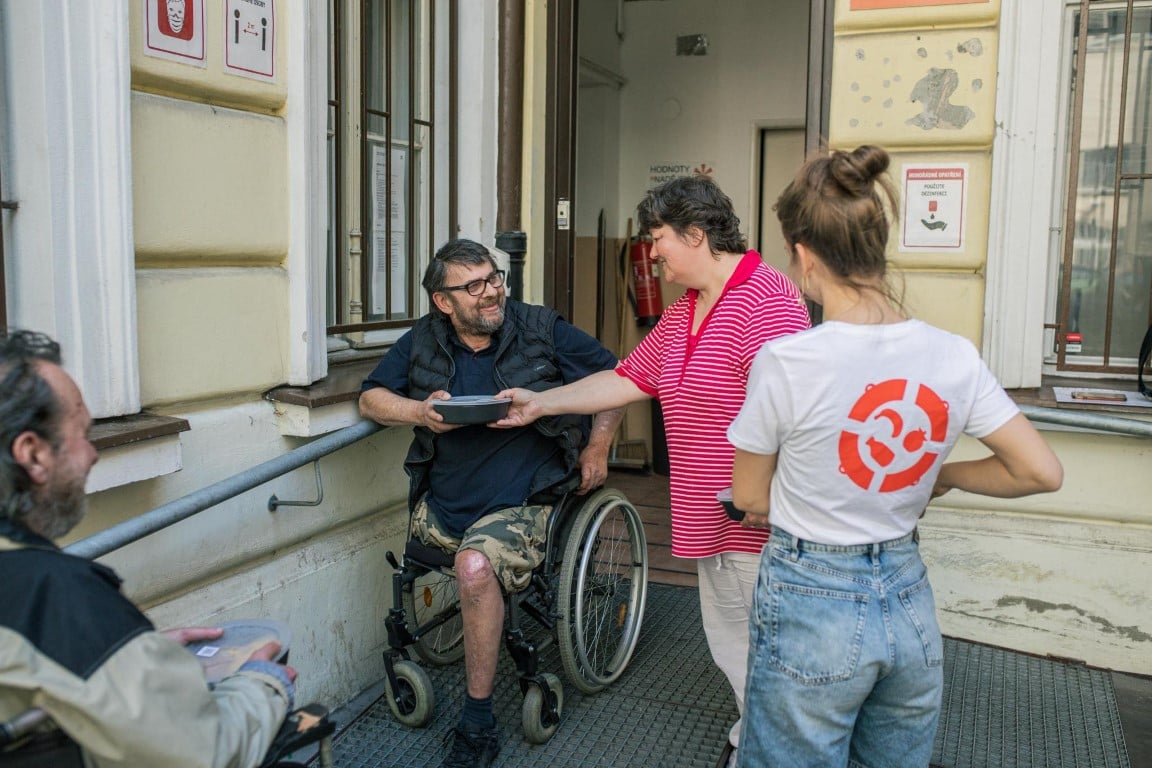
(417, 699)
(603, 585)
(532, 713)
(433, 593)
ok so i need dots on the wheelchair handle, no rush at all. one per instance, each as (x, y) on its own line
(21, 725)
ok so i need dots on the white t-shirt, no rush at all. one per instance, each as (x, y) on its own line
(862, 418)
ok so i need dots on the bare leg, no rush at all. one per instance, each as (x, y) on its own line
(482, 609)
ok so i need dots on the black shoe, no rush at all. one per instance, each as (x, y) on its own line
(471, 749)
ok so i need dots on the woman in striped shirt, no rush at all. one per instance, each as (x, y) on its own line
(696, 362)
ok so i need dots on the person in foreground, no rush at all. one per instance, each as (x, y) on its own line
(840, 446)
(483, 493)
(70, 643)
(696, 362)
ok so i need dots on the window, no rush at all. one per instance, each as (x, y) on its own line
(1102, 302)
(390, 131)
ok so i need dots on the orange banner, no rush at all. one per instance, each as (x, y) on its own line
(871, 5)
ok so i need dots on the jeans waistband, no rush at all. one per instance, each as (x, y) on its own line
(782, 538)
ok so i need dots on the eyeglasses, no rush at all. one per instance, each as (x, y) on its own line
(476, 287)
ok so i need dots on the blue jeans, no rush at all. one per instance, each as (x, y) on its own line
(845, 664)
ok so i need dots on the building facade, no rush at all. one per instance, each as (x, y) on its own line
(222, 208)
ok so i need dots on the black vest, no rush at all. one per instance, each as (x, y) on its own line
(525, 358)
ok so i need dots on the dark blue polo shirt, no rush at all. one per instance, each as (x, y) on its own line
(477, 469)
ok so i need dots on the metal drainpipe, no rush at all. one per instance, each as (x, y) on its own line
(509, 237)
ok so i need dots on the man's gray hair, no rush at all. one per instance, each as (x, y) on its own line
(27, 404)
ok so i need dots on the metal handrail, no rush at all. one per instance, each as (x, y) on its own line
(137, 528)
(1088, 420)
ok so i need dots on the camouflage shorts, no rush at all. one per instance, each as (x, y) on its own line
(512, 539)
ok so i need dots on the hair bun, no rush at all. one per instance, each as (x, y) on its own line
(855, 171)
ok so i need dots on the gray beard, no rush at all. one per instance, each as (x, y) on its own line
(58, 512)
(483, 326)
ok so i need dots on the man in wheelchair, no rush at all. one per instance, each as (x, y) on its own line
(485, 493)
(81, 668)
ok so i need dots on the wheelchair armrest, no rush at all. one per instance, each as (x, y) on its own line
(306, 725)
(433, 557)
(23, 746)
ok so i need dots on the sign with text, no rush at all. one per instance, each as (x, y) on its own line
(871, 5)
(174, 30)
(660, 172)
(934, 206)
(250, 38)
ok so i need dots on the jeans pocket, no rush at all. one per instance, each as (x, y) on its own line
(815, 633)
(920, 604)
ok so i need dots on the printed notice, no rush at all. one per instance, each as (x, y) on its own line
(174, 30)
(250, 38)
(389, 211)
(934, 206)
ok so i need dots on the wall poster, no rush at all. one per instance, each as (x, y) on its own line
(389, 257)
(934, 197)
(174, 30)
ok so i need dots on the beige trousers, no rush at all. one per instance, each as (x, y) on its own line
(727, 587)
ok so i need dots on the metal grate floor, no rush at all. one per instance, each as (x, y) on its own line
(1010, 710)
(672, 707)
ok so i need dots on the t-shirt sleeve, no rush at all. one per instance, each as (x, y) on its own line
(392, 370)
(579, 354)
(764, 418)
(991, 406)
(643, 364)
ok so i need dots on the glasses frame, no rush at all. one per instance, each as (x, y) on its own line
(480, 284)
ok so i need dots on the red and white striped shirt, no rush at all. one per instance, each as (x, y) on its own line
(701, 385)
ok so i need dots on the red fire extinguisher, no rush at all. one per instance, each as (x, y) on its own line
(645, 290)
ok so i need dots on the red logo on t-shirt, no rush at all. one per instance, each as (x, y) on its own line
(890, 448)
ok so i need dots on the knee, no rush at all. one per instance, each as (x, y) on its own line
(473, 571)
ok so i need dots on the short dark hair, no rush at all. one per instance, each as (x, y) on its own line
(27, 403)
(693, 201)
(461, 251)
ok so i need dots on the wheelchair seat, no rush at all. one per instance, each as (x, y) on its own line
(588, 593)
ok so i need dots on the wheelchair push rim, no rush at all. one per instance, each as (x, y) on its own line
(603, 581)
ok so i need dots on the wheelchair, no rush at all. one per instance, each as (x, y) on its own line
(27, 741)
(588, 594)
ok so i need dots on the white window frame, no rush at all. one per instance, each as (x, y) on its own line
(306, 126)
(1021, 230)
(68, 165)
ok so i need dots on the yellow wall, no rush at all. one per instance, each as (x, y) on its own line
(881, 60)
(1061, 573)
(211, 225)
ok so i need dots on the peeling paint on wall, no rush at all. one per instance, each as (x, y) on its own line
(933, 92)
(1040, 606)
(971, 46)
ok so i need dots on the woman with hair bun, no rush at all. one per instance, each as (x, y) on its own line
(841, 445)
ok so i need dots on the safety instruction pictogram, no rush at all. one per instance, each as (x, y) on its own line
(174, 30)
(934, 206)
(897, 434)
(250, 38)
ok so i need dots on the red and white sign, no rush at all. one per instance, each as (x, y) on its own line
(250, 38)
(174, 30)
(935, 198)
